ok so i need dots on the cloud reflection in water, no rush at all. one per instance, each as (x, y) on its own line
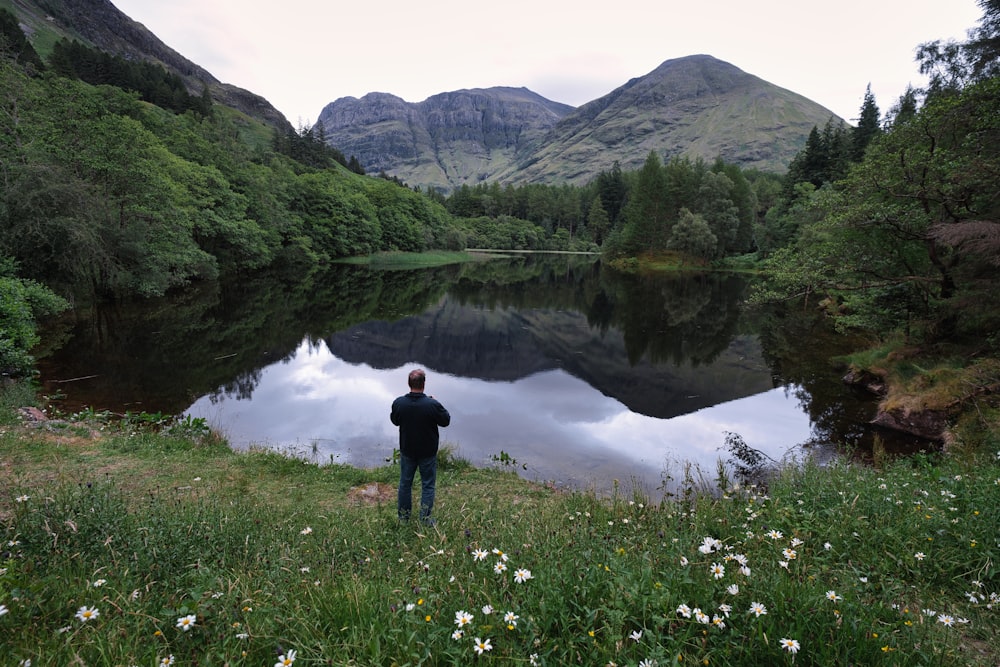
(555, 425)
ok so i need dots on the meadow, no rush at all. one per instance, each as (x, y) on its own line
(150, 542)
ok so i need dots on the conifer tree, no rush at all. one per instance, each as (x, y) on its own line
(868, 125)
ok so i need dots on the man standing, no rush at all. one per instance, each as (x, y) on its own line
(418, 416)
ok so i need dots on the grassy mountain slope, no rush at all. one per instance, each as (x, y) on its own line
(100, 24)
(696, 106)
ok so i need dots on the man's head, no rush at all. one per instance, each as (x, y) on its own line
(417, 379)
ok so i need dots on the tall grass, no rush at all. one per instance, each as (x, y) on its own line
(180, 549)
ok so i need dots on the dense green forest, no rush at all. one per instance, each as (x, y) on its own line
(118, 183)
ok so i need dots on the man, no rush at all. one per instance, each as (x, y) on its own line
(418, 416)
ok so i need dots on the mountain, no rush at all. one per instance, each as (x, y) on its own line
(100, 24)
(697, 106)
(450, 139)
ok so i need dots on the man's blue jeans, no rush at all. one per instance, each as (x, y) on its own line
(428, 477)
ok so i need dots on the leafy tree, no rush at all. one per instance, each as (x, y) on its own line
(912, 236)
(22, 302)
(952, 65)
(719, 212)
(692, 235)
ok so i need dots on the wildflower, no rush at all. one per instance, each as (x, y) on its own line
(286, 660)
(22, 498)
(796, 542)
(462, 618)
(789, 554)
(479, 554)
(783, 563)
(647, 663)
(487, 609)
(718, 570)
(827, 546)
(775, 534)
(99, 582)
(502, 555)
(863, 580)
(483, 645)
(410, 606)
(533, 660)
(701, 616)
(947, 619)
(185, 623)
(718, 622)
(745, 571)
(510, 618)
(243, 635)
(306, 530)
(919, 555)
(636, 635)
(458, 634)
(790, 645)
(500, 567)
(166, 662)
(85, 613)
(725, 609)
(709, 544)
(684, 561)
(832, 596)
(521, 575)
(3, 609)
(25, 663)
(757, 609)
(733, 589)
(684, 611)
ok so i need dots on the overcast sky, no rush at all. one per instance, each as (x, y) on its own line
(303, 54)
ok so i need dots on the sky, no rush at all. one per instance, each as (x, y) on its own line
(303, 54)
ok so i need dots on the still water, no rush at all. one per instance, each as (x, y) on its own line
(552, 366)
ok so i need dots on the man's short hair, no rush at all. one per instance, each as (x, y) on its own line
(417, 379)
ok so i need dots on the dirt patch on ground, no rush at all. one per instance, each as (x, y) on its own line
(374, 493)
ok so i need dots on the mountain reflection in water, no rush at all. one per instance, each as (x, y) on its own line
(555, 426)
(581, 375)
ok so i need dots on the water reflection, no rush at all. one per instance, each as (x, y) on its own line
(582, 375)
(554, 425)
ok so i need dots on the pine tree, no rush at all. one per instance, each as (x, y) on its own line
(868, 125)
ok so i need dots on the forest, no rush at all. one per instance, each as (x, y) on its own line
(118, 184)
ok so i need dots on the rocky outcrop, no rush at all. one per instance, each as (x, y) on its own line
(450, 139)
(927, 424)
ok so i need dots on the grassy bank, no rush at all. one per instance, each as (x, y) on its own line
(126, 546)
(413, 260)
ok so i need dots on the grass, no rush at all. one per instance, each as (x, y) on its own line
(412, 260)
(174, 547)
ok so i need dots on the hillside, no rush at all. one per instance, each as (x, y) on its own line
(100, 24)
(697, 106)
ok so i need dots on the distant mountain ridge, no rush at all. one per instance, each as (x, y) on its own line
(449, 139)
(696, 106)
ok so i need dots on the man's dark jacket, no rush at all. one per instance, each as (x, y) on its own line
(418, 416)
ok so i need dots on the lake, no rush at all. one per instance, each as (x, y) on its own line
(551, 365)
